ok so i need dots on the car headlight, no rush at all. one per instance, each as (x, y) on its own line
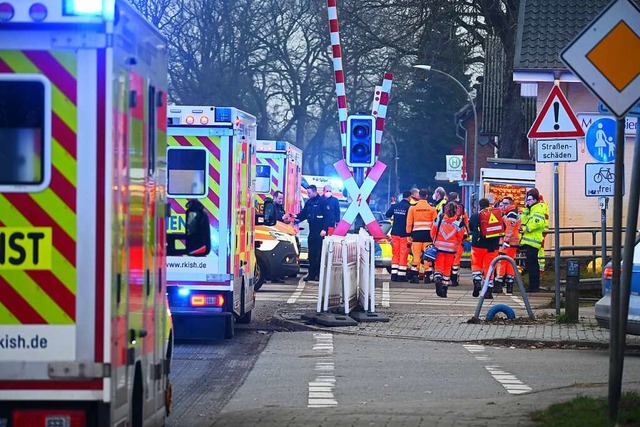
(284, 237)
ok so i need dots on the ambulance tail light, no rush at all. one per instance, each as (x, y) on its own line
(48, 418)
(83, 7)
(203, 300)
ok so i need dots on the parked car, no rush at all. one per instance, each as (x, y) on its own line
(383, 248)
(603, 306)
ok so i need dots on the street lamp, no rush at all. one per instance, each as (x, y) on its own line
(475, 121)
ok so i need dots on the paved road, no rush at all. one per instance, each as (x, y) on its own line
(361, 380)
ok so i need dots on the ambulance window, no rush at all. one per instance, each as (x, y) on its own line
(25, 123)
(187, 172)
(263, 179)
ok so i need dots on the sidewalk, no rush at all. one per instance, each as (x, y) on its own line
(423, 315)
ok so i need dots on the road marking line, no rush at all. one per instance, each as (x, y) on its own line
(385, 294)
(518, 301)
(321, 388)
(297, 293)
(509, 381)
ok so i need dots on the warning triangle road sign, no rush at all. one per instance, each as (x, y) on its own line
(556, 119)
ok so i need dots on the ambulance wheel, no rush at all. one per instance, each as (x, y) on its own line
(501, 308)
(229, 327)
(260, 275)
(244, 319)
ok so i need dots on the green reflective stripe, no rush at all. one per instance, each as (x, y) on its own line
(538, 216)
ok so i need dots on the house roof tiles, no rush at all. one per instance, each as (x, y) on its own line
(545, 28)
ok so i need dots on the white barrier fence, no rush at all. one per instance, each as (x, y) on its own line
(347, 276)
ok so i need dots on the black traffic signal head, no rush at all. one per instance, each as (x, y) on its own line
(361, 140)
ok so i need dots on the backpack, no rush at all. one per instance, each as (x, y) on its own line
(198, 236)
(491, 223)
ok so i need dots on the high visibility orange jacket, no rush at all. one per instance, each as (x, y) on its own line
(512, 225)
(448, 234)
(421, 216)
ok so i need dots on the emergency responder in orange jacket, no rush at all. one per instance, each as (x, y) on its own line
(464, 221)
(505, 273)
(420, 218)
(447, 236)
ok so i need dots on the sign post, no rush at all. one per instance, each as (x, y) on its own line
(599, 57)
(556, 120)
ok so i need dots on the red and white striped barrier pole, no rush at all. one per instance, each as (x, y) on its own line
(380, 110)
(336, 51)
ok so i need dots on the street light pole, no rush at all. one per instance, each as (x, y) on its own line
(475, 122)
(396, 167)
(397, 186)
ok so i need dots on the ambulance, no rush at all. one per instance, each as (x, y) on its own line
(210, 158)
(85, 338)
(278, 168)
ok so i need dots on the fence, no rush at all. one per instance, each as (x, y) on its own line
(347, 273)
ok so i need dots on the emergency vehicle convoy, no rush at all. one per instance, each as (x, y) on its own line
(85, 338)
(210, 234)
(278, 168)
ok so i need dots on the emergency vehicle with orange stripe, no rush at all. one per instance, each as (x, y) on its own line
(278, 168)
(210, 157)
(85, 336)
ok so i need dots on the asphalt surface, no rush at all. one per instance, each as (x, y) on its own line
(415, 312)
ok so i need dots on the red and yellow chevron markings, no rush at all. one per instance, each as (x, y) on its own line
(38, 259)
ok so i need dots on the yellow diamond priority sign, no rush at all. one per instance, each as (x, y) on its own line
(606, 56)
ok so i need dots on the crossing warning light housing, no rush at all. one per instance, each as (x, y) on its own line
(361, 141)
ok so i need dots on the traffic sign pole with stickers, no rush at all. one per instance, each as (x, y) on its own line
(604, 57)
(556, 121)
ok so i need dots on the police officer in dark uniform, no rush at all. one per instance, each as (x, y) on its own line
(318, 214)
(399, 238)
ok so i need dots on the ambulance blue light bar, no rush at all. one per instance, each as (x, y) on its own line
(84, 7)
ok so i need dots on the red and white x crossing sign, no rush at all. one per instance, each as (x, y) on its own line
(359, 197)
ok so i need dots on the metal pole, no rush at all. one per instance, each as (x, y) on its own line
(556, 220)
(604, 201)
(475, 122)
(396, 168)
(615, 362)
(629, 243)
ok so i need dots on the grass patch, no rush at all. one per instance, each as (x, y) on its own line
(584, 411)
(564, 318)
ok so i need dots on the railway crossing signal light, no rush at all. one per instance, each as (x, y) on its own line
(361, 141)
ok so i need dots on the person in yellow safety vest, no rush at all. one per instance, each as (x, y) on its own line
(415, 196)
(439, 199)
(541, 255)
(505, 273)
(533, 225)
(420, 218)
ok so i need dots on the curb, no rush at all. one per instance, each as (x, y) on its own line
(299, 326)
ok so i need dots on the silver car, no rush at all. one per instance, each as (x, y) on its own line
(603, 306)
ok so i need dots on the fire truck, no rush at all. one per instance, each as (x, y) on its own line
(85, 337)
(278, 168)
(210, 155)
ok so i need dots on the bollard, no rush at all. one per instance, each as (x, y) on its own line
(572, 293)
